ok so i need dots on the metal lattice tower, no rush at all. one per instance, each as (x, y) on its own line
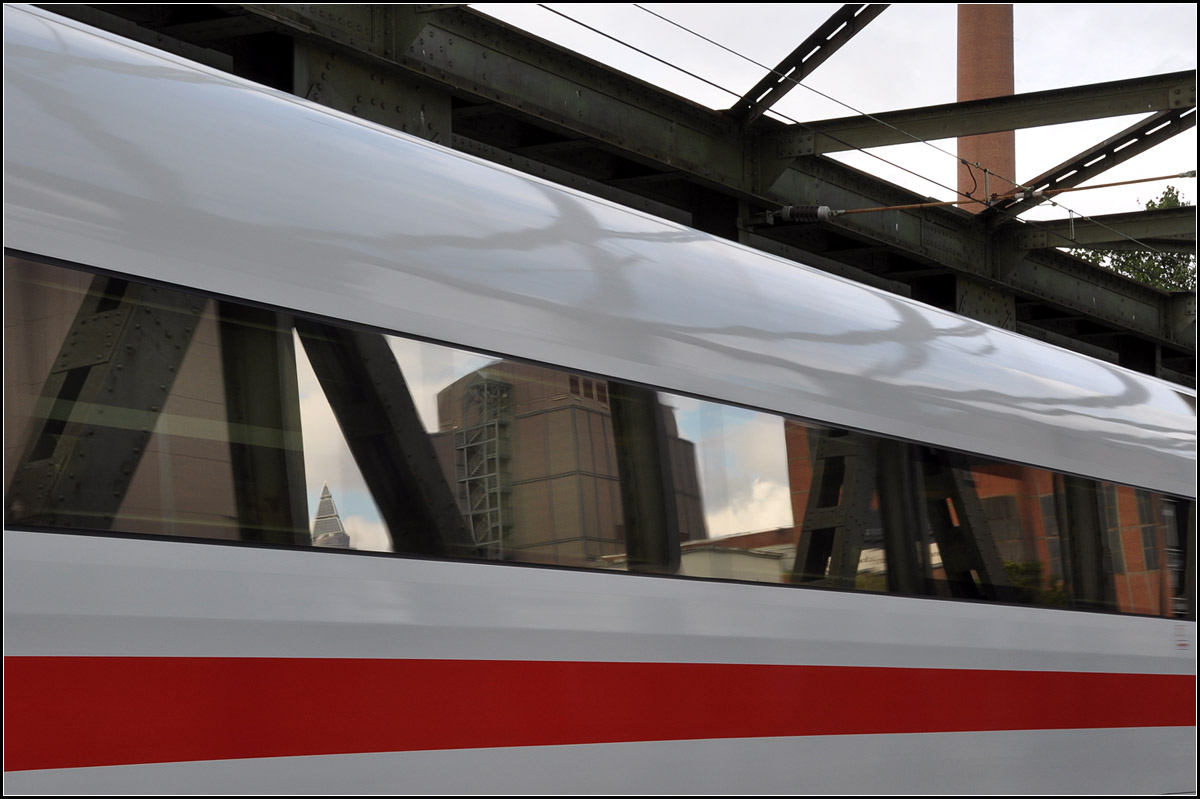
(481, 459)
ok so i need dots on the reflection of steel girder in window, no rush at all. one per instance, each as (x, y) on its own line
(106, 393)
(966, 544)
(846, 475)
(839, 505)
(481, 457)
(93, 423)
(378, 418)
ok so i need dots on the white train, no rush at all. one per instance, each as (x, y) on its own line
(531, 568)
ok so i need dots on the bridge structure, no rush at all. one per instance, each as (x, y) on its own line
(467, 81)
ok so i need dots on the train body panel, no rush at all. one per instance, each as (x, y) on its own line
(235, 189)
(145, 664)
(269, 652)
(1024, 762)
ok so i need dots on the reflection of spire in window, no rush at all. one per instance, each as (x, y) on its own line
(327, 525)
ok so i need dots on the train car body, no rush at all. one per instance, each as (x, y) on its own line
(144, 656)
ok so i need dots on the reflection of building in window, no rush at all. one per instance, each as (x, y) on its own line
(531, 453)
(1112, 528)
(1148, 520)
(1004, 525)
(762, 556)
(327, 525)
(1050, 525)
(1137, 531)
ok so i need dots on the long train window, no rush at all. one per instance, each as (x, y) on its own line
(146, 410)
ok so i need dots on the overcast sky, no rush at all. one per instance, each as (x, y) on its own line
(905, 58)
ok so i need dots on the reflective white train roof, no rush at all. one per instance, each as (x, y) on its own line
(125, 158)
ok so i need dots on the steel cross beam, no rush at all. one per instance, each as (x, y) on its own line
(1166, 228)
(812, 52)
(1134, 140)
(1174, 91)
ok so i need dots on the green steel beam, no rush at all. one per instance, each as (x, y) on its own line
(163, 40)
(835, 32)
(475, 57)
(1134, 140)
(1172, 91)
(1143, 226)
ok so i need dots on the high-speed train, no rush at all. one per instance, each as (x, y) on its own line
(336, 461)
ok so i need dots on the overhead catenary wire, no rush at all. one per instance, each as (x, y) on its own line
(1024, 190)
(1023, 194)
(916, 139)
(732, 93)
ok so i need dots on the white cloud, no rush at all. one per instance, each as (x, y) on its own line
(767, 505)
(742, 460)
(367, 534)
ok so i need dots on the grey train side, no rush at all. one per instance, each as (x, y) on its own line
(529, 393)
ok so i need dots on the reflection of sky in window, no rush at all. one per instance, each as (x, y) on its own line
(429, 368)
(742, 459)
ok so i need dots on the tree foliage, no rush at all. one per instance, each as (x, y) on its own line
(1168, 271)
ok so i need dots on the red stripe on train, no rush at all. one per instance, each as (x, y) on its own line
(63, 712)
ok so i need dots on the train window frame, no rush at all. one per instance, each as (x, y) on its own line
(662, 556)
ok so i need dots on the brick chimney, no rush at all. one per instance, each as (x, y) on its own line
(985, 69)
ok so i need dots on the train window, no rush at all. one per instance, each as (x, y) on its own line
(142, 409)
(788, 502)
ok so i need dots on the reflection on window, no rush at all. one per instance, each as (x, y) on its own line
(533, 464)
(142, 409)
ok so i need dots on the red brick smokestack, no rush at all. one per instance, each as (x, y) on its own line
(985, 69)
